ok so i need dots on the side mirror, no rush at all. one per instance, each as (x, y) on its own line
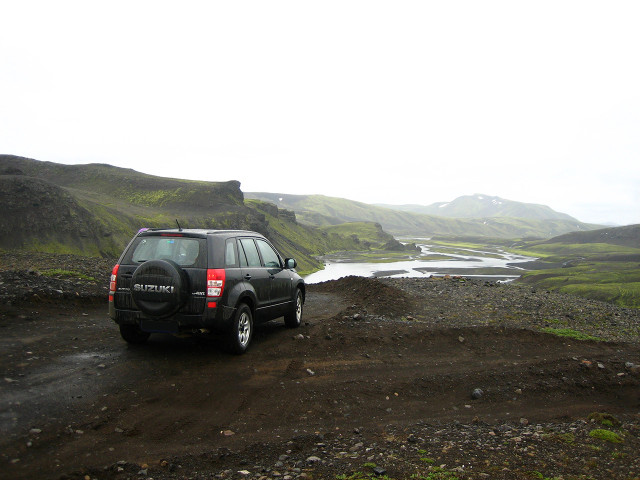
(290, 263)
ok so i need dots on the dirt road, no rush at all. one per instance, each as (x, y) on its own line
(383, 378)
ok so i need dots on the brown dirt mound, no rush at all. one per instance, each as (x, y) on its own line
(370, 296)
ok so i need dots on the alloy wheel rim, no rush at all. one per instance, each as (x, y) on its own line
(298, 308)
(244, 329)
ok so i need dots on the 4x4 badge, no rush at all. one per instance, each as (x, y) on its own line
(153, 288)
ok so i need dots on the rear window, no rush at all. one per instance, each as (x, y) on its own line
(185, 251)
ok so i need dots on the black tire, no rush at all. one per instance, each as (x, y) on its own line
(132, 334)
(241, 332)
(159, 288)
(294, 317)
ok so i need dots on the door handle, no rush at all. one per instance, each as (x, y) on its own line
(247, 277)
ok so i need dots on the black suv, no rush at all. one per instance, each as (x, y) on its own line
(187, 280)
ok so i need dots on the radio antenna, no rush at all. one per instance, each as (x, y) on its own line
(179, 227)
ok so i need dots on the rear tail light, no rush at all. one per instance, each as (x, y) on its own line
(112, 283)
(215, 285)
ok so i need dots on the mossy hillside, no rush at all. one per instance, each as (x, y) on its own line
(100, 180)
(96, 209)
(364, 234)
(601, 271)
(301, 242)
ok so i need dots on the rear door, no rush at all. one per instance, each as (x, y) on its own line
(253, 272)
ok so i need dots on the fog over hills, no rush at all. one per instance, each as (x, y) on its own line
(484, 206)
(473, 215)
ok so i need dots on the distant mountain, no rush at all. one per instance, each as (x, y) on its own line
(320, 210)
(485, 206)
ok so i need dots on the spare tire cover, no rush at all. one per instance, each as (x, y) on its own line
(159, 287)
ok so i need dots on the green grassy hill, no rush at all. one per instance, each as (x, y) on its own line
(95, 210)
(320, 210)
(602, 264)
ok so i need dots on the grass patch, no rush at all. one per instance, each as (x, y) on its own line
(606, 435)
(58, 272)
(437, 474)
(536, 474)
(599, 271)
(605, 419)
(570, 333)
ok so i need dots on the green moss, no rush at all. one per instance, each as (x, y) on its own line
(598, 271)
(606, 435)
(605, 419)
(569, 333)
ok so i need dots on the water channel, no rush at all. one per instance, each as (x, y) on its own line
(494, 264)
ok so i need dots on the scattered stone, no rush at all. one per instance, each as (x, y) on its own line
(476, 393)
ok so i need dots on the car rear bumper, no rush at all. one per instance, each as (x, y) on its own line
(213, 319)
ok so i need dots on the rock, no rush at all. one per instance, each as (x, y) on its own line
(310, 372)
(313, 459)
(356, 447)
(476, 393)
(379, 471)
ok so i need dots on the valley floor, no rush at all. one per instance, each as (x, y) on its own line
(401, 378)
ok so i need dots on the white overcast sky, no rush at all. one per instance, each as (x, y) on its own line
(381, 102)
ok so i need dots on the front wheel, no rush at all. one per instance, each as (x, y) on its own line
(241, 331)
(132, 334)
(293, 318)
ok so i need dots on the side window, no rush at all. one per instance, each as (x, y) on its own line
(269, 256)
(230, 253)
(251, 252)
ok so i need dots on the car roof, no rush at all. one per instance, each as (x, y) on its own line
(196, 231)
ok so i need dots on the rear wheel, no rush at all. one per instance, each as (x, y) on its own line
(293, 318)
(132, 334)
(241, 331)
